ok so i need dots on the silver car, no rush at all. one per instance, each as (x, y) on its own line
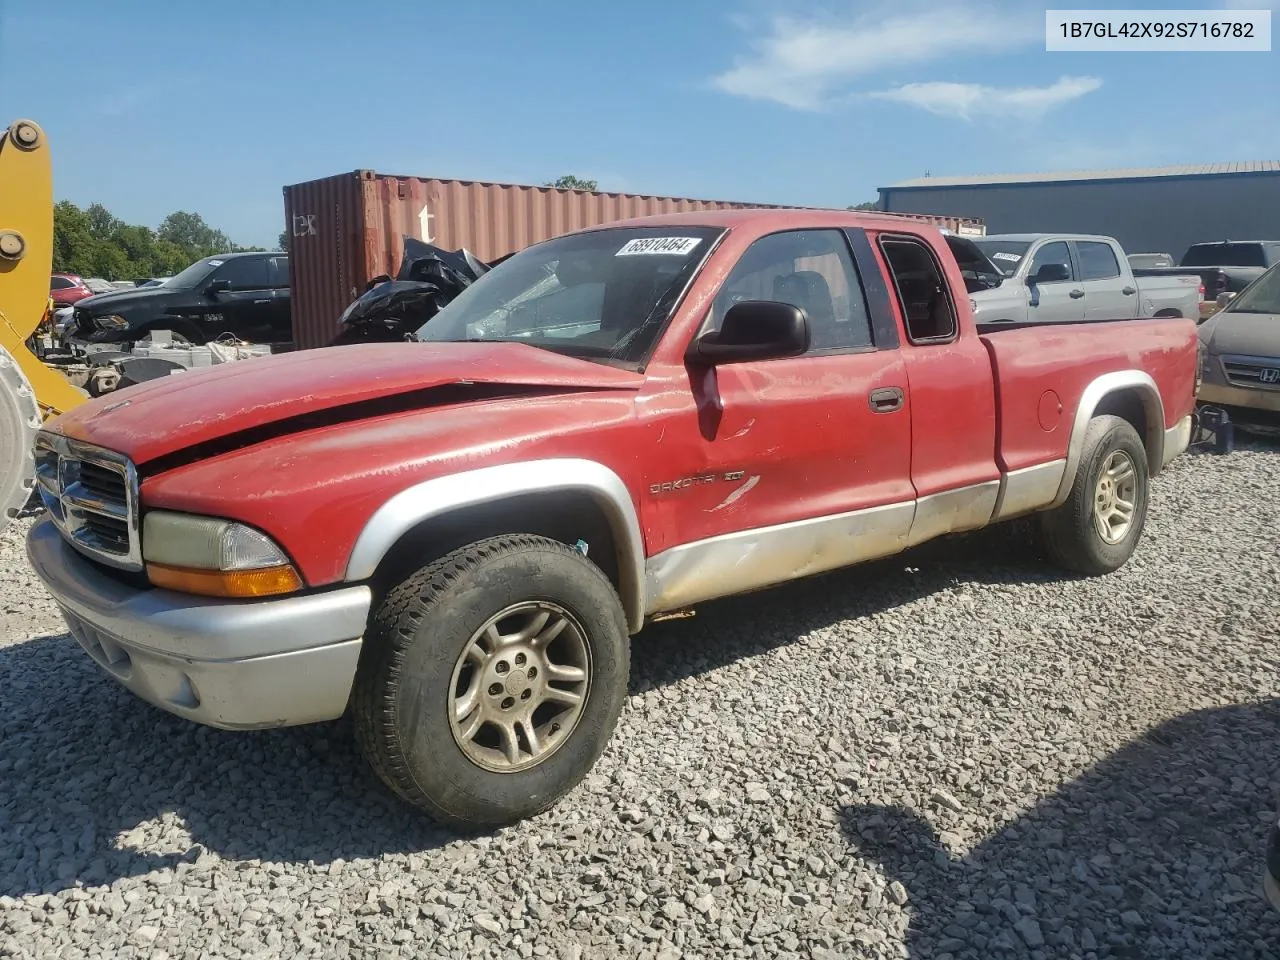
(1240, 360)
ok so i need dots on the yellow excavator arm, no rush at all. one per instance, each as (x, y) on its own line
(26, 258)
(29, 390)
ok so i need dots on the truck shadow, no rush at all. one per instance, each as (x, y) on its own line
(84, 765)
(1155, 852)
(728, 630)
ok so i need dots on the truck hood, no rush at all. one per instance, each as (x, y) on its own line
(252, 400)
(1250, 334)
(105, 302)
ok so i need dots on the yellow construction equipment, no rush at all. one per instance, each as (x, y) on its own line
(29, 390)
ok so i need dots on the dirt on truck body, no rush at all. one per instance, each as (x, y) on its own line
(456, 538)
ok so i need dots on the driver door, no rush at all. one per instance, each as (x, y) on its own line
(1059, 300)
(245, 309)
(772, 468)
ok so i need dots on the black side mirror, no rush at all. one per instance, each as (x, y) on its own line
(218, 286)
(754, 330)
(1052, 273)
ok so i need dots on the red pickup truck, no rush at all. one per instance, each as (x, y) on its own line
(456, 538)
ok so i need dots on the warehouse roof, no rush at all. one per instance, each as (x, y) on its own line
(1130, 173)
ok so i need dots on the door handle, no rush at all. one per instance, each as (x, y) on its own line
(886, 399)
(268, 300)
(1076, 294)
(1128, 291)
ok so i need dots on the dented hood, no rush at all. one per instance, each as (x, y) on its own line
(312, 388)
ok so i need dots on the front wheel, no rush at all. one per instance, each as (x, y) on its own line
(492, 680)
(1098, 527)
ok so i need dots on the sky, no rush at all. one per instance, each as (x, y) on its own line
(157, 106)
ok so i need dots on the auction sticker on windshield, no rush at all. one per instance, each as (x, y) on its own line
(653, 245)
(1011, 257)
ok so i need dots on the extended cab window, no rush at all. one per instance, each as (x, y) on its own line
(922, 291)
(809, 269)
(1097, 260)
(1055, 253)
(244, 273)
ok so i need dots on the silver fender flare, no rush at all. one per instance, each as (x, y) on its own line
(434, 498)
(1138, 381)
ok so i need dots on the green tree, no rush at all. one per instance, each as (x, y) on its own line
(94, 243)
(866, 205)
(570, 182)
(283, 241)
(101, 223)
(191, 233)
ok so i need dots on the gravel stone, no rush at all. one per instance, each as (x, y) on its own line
(1049, 766)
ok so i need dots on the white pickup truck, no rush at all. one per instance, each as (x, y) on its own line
(1055, 277)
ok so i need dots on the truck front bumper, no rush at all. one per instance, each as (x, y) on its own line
(232, 664)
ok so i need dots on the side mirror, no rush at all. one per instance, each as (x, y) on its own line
(1052, 273)
(754, 330)
(218, 286)
(1224, 298)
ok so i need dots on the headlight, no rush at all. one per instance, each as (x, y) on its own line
(112, 322)
(216, 558)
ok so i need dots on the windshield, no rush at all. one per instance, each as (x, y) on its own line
(1262, 296)
(1224, 255)
(192, 277)
(603, 295)
(1005, 254)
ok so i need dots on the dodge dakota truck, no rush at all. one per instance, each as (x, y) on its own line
(455, 538)
(1066, 277)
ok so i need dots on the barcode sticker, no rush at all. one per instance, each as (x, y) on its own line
(678, 246)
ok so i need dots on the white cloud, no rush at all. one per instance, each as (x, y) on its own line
(969, 100)
(799, 63)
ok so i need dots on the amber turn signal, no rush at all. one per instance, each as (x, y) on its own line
(264, 582)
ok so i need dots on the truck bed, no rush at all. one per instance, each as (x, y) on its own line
(1039, 366)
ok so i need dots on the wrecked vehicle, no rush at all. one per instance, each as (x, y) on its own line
(392, 309)
(455, 539)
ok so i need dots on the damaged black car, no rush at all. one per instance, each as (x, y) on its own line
(391, 309)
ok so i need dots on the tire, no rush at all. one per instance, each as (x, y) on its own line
(413, 673)
(1070, 534)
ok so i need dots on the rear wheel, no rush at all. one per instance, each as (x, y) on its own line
(492, 680)
(1098, 527)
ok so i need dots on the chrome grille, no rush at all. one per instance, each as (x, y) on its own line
(92, 496)
(1259, 372)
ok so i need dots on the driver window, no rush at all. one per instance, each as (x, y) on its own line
(809, 269)
(1055, 252)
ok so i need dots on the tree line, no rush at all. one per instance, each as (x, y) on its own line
(92, 242)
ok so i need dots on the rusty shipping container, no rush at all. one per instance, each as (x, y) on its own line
(347, 229)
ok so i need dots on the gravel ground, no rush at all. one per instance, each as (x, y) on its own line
(954, 754)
